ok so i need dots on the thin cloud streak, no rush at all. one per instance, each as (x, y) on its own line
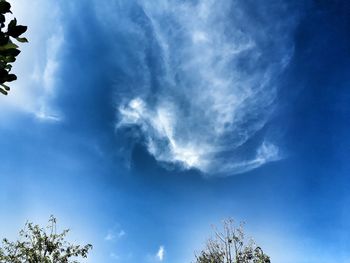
(214, 87)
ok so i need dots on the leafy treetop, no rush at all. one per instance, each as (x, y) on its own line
(231, 246)
(37, 245)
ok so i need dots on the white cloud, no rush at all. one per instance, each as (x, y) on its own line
(160, 254)
(159, 126)
(45, 115)
(39, 61)
(109, 237)
(114, 256)
(114, 234)
(215, 89)
(267, 152)
(54, 45)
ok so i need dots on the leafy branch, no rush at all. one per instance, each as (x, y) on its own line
(8, 49)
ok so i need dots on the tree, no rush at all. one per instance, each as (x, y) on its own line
(37, 245)
(8, 50)
(231, 246)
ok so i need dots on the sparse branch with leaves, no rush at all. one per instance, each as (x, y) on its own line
(37, 244)
(230, 245)
(8, 49)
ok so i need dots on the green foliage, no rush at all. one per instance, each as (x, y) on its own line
(8, 50)
(37, 245)
(231, 246)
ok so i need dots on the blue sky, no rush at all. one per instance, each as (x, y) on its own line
(141, 123)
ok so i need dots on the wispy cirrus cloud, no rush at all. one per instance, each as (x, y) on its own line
(207, 81)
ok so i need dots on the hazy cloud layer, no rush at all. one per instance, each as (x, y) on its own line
(205, 80)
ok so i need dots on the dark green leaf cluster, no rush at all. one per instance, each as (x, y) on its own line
(211, 256)
(8, 49)
(231, 246)
(37, 245)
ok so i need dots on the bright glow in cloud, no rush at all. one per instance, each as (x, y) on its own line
(37, 65)
(161, 253)
(212, 86)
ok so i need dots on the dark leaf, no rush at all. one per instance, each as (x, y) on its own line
(3, 73)
(10, 59)
(7, 88)
(9, 45)
(21, 39)
(12, 52)
(12, 23)
(11, 77)
(3, 91)
(5, 7)
(4, 39)
(16, 31)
